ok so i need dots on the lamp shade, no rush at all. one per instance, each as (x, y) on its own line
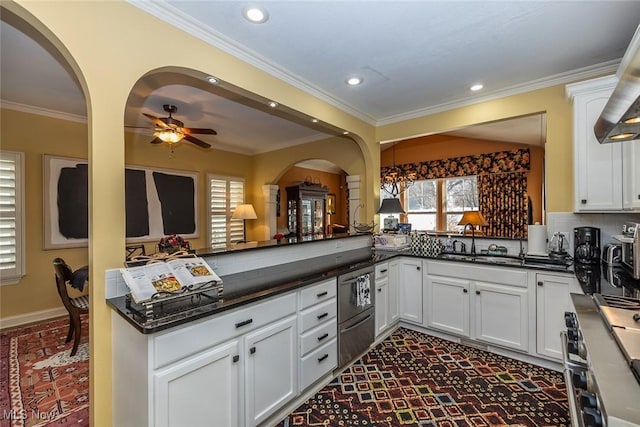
(474, 218)
(244, 212)
(390, 206)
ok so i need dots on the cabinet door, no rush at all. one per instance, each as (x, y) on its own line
(394, 292)
(271, 369)
(501, 315)
(552, 301)
(201, 391)
(448, 304)
(598, 167)
(382, 308)
(631, 175)
(411, 290)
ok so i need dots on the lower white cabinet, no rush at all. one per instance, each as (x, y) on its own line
(411, 289)
(175, 387)
(382, 297)
(448, 304)
(502, 315)
(233, 369)
(270, 370)
(552, 301)
(393, 301)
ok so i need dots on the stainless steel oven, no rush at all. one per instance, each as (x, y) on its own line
(356, 314)
(630, 241)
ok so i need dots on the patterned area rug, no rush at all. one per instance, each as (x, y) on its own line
(413, 379)
(40, 383)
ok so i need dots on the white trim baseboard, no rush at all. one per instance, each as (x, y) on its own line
(35, 316)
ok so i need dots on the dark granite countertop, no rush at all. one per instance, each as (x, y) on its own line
(254, 285)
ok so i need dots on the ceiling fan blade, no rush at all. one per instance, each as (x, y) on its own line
(197, 141)
(199, 131)
(156, 120)
(156, 140)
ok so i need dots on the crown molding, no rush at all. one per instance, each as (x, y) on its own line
(597, 70)
(9, 105)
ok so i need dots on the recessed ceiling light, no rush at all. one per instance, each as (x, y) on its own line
(212, 80)
(476, 87)
(256, 14)
(346, 132)
(354, 81)
(273, 104)
(314, 120)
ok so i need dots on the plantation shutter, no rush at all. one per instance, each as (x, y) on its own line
(225, 194)
(11, 221)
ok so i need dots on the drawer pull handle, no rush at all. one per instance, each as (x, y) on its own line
(383, 271)
(322, 316)
(583, 201)
(465, 290)
(321, 294)
(244, 323)
(236, 358)
(540, 283)
(252, 350)
(477, 292)
(379, 289)
(320, 359)
(321, 337)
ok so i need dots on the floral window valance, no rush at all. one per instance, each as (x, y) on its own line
(482, 164)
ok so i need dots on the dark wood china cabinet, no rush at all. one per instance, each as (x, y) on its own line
(306, 209)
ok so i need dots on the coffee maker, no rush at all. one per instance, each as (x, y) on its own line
(586, 241)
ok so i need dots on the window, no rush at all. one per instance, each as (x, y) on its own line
(438, 204)
(225, 193)
(11, 217)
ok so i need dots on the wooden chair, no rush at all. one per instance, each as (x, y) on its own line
(75, 306)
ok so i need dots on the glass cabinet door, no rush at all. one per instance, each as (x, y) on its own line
(318, 216)
(307, 223)
(292, 215)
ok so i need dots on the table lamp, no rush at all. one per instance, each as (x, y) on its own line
(244, 212)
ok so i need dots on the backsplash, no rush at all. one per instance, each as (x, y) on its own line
(608, 223)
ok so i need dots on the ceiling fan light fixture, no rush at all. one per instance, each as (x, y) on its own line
(255, 14)
(170, 136)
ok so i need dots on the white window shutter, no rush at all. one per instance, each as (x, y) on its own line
(11, 217)
(225, 193)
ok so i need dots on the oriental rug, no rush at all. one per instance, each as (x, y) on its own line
(41, 384)
(413, 379)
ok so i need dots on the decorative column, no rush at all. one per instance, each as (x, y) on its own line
(355, 207)
(270, 193)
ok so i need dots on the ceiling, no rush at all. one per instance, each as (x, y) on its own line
(416, 58)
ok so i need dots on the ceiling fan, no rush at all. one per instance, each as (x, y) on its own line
(172, 130)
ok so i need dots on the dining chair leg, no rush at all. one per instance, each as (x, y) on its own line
(76, 339)
(70, 333)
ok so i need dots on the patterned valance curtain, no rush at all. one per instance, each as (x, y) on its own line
(502, 185)
(488, 163)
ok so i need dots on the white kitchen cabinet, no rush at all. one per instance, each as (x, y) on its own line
(631, 175)
(205, 372)
(552, 301)
(447, 303)
(411, 290)
(501, 315)
(177, 385)
(606, 176)
(318, 330)
(382, 297)
(484, 303)
(271, 369)
(394, 292)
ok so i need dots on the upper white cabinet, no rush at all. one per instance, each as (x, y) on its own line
(606, 176)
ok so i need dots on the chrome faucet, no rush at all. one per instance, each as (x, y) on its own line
(473, 237)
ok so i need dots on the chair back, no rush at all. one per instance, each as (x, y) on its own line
(63, 276)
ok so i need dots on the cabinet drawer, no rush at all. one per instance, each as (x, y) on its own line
(184, 341)
(318, 336)
(320, 292)
(318, 363)
(317, 314)
(382, 270)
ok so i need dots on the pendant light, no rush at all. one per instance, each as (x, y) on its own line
(396, 180)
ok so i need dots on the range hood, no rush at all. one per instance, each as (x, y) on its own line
(620, 119)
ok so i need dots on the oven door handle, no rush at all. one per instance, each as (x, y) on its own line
(576, 419)
(352, 281)
(356, 325)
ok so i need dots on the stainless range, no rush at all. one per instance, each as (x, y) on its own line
(602, 360)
